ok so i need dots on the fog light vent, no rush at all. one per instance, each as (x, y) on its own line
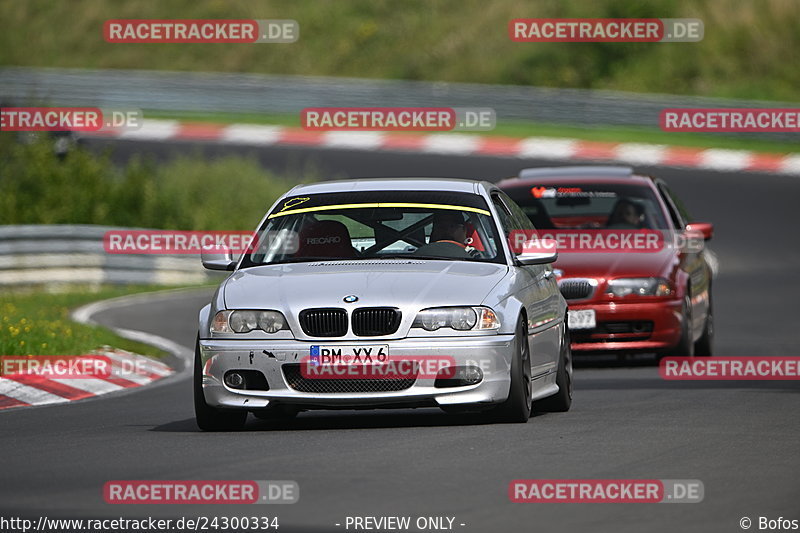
(245, 380)
(459, 376)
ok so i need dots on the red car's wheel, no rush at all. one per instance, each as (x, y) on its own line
(685, 346)
(704, 347)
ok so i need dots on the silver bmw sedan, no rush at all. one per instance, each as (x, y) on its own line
(384, 293)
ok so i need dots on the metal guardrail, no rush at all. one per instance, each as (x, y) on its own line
(74, 254)
(258, 93)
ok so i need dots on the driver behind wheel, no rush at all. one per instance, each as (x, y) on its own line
(448, 236)
(626, 215)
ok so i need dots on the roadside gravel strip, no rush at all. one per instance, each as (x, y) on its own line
(129, 371)
(461, 144)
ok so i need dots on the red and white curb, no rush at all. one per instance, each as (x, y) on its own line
(151, 373)
(462, 144)
(128, 370)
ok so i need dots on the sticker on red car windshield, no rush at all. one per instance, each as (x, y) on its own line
(569, 192)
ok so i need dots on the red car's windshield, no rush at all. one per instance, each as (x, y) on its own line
(590, 205)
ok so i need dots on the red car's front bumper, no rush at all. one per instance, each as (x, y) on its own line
(630, 326)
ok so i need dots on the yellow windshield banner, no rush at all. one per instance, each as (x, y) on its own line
(379, 204)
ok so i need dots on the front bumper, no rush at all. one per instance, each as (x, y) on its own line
(651, 326)
(492, 353)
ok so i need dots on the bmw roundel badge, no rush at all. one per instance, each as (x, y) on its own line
(350, 298)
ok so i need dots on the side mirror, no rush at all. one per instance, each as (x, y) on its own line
(703, 228)
(538, 252)
(217, 259)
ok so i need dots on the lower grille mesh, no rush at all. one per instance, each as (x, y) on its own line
(295, 379)
(614, 332)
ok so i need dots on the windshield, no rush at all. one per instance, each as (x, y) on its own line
(377, 225)
(590, 206)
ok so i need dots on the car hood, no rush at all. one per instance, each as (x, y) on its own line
(616, 265)
(296, 286)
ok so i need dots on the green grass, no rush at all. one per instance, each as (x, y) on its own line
(189, 192)
(37, 322)
(521, 129)
(749, 50)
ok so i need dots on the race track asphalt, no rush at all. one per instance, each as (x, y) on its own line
(739, 438)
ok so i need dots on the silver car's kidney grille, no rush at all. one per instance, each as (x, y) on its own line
(575, 289)
(296, 380)
(374, 321)
(324, 322)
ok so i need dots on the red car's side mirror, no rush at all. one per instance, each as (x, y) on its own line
(704, 228)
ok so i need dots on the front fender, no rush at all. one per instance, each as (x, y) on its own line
(204, 318)
(508, 311)
(207, 313)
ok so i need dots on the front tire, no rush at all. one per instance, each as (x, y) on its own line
(517, 408)
(561, 401)
(210, 418)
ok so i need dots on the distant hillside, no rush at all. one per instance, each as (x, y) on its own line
(751, 48)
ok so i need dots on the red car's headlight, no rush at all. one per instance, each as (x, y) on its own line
(623, 287)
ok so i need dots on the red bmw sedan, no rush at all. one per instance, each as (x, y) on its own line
(632, 265)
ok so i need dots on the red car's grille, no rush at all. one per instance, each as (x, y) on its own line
(575, 289)
(614, 332)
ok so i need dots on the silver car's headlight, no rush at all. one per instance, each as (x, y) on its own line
(244, 321)
(639, 287)
(458, 318)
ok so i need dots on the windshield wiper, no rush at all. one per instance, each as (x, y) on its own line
(412, 257)
(306, 260)
(406, 257)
